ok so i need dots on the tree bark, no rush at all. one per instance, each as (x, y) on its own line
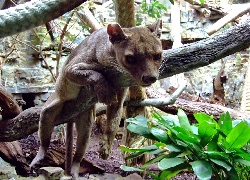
(32, 14)
(206, 51)
(190, 107)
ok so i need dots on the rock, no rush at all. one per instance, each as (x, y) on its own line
(40, 177)
(133, 176)
(6, 170)
(105, 176)
(51, 173)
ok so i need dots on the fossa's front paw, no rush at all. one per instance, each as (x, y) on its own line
(105, 93)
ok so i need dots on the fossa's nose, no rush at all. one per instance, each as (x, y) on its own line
(148, 79)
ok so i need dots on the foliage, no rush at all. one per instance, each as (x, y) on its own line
(218, 150)
(153, 9)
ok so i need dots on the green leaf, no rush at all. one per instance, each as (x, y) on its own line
(213, 144)
(127, 168)
(186, 136)
(153, 175)
(144, 131)
(238, 136)
(206, 131)
(134, 155)
(183, 119)
(172, 1)
(142, 149)
(202, 169)
(202, 1)
(232, 174)
(168, 174)
(217, 155)
(173, 148)
(185, 153)
(159, 134)
(225, 123)
(222, 164)
(244, 155)
(157, 151)
(201, 117)
(154, 160)
(243, 161)
(139, 120)
(167, 163)
(165, 121)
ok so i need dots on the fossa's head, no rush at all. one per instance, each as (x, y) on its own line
(138, 50)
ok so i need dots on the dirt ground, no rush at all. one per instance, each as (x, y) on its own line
(111, 165)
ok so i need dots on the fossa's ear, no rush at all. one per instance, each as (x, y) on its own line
(116, 34)
(155, 28)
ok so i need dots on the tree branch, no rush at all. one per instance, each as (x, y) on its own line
(228, 18)
(32, 14)
(206, 51)
(157, 102)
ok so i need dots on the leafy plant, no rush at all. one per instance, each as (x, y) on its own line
(210, 149)
(153, 9)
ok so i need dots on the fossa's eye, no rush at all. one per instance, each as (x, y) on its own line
(157, 57)
(130, 59)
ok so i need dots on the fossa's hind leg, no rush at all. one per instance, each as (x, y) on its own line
(46, 125)
(83, 124)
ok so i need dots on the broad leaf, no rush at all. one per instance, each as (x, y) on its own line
(127, 168)
(165, 121)
(144, 131)
(222, 164)
(168, 174)
(186, 136)
(167, 163)
(225, 123)
(202, 169)
(154, 160)
(201, 117)
(238, 136)
(172, 120)
(159, 134)
(217, 155)
(232, 174)
(243, 161)
(206, 131)
(213, 144)
(173, 148)
(183, 119)
(139, 120)
(244, 155)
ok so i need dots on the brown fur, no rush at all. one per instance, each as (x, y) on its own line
(134, 51)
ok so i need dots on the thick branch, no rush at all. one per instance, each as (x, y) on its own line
(207, 51)
(191, 107)
(32, 14)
